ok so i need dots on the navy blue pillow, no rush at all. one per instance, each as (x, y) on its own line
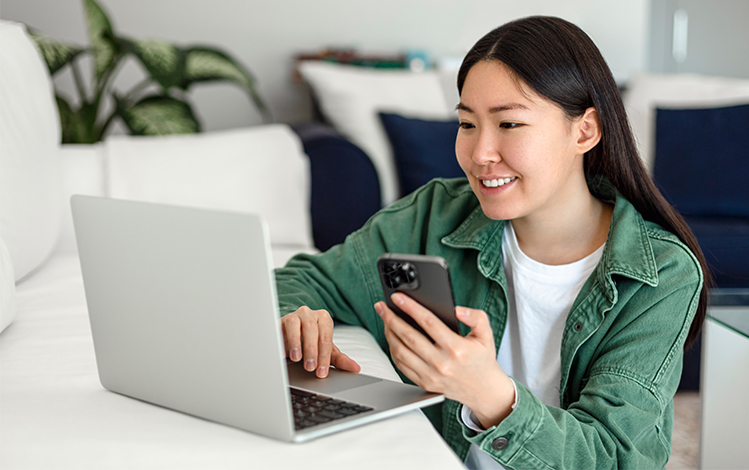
(702, 160)
(345, 189)
(423, 150)
(725, 243)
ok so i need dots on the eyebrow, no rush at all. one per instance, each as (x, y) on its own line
(494, 109)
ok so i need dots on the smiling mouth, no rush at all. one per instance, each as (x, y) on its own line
(498, 182)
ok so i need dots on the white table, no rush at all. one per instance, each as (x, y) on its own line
(725, 388)
(55, 414)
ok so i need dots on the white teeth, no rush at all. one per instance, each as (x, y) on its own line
(498, 182)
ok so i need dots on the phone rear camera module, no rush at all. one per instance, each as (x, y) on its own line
(399, 275)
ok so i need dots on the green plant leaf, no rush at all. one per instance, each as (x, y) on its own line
(164, 62)
(159, 115)
(56, 53)
(73, 128)
(207, 64)
(204, 64)
(101, 36)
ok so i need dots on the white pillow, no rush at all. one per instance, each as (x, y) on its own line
(351, 98)
(7, 288)
(262, 170)
(30, 180)
(645, 93)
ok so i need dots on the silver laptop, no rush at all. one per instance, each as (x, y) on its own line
(184, 315)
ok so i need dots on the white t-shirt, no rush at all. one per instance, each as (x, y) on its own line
(540, 297)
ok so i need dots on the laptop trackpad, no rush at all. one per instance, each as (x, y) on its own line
(336, 381)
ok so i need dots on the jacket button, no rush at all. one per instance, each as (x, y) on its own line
(578, 326)
(499, 443)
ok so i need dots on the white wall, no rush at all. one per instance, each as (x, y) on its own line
(265, 35)
(716, 38)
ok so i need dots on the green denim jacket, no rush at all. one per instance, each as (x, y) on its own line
(621, 349)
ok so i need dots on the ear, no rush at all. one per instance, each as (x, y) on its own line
(588, 131)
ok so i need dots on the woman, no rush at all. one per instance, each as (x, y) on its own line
(574, 276)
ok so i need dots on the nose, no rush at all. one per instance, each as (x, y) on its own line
(487, 149)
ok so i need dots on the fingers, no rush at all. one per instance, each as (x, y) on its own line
(291, 328)
(408, 347)
(324, 344)
(302, 337)
(452, 364)
(341, 361)
(478, 321)
(428, 321)
(308, 337)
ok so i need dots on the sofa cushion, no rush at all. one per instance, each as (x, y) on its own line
(262, 170)
(82, 173)
(350, 98)
(30, 180)
(725, 243)
(647, 92)
(345, 188)
(422, 149)
(702, 160)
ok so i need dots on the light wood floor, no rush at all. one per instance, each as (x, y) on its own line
(686, 439)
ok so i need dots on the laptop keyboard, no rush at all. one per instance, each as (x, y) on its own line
(311, 409)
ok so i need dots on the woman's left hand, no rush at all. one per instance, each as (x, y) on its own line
(464, 369)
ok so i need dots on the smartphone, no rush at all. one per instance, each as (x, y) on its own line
(423, 278)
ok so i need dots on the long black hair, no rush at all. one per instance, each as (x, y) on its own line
(557, 60)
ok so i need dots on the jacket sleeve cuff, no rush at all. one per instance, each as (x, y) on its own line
(506, 439)
(468, 418)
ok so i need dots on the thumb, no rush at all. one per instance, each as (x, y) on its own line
(478, 322)
(341, 361)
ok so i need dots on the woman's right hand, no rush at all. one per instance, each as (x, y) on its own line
(308, 336)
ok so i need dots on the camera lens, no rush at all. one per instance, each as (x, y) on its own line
(409, 272)
(398, 274)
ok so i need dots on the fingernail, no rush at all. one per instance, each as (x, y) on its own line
(378, 308)
(295, 355)
(322, 372)
(310, 365)
(397, 299)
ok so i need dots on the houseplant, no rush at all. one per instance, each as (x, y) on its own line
(158, 104)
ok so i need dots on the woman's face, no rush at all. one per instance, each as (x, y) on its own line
(519, 151)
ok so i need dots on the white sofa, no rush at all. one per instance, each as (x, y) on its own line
(53, 411)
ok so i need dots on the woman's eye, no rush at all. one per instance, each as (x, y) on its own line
(510, 125)
(466, 125)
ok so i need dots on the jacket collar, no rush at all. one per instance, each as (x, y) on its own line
(628, 251)
(481, 233)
